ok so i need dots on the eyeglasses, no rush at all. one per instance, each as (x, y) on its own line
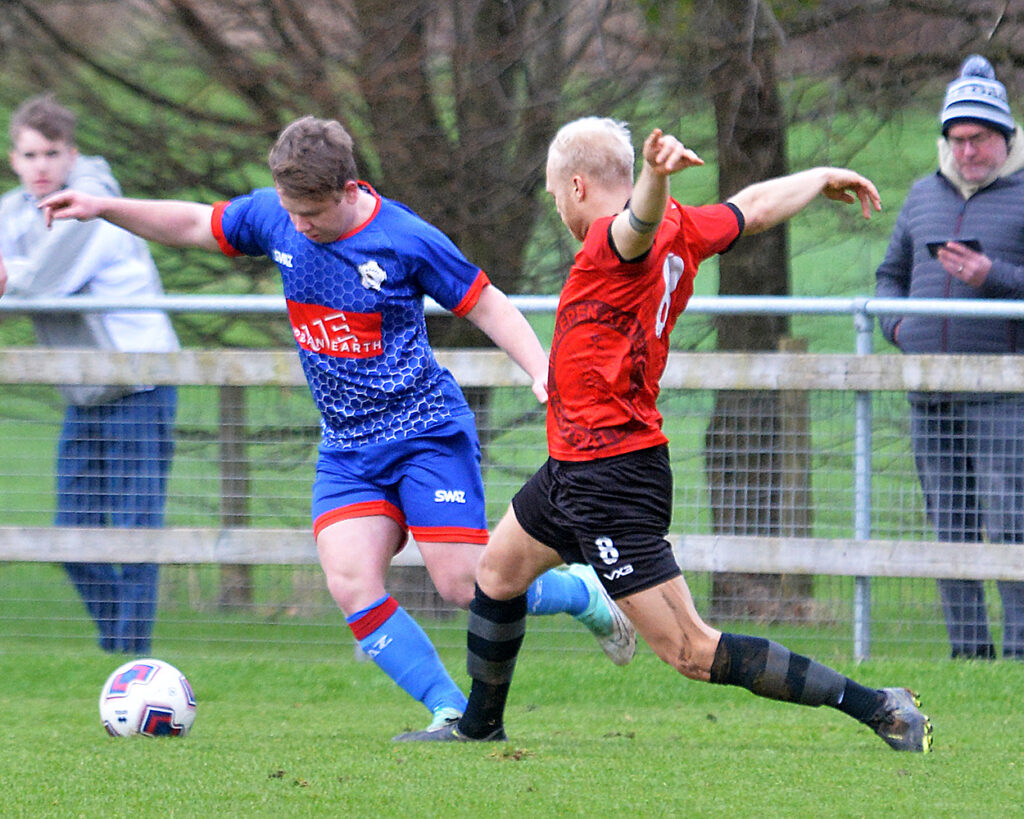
(976, 141)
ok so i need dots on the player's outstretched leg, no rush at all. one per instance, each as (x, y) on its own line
(576, 590)
(771, 670)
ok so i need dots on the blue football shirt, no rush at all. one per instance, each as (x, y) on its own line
(356, 309)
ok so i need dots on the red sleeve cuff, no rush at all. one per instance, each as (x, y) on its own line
(473, 296)
(218, 230)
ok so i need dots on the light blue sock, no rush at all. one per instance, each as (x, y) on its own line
(403, 651)
(557, 591)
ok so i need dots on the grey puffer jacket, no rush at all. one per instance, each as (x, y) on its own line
(940, 207)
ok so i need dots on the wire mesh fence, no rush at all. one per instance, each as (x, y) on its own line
(770, 454)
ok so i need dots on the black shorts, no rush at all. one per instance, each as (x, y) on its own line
(612, 513)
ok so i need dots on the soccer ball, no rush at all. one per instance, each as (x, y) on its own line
(148, 697)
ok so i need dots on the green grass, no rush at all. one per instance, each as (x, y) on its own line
(587, 739)
(282, 731)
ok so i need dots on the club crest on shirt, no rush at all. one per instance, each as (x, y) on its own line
(372, 275)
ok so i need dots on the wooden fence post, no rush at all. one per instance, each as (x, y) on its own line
(236, 585)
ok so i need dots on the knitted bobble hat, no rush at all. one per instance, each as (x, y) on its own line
(977, 95)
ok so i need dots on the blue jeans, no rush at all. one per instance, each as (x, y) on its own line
(112, 466)
(970, 460)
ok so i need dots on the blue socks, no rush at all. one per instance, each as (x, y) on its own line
(557, 591)
(403, 651)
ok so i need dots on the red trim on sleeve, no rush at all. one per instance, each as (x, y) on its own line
(473, 296)
(218, 230)
(374, 618)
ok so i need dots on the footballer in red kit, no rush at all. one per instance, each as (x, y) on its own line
(611, 337)
(604, 495)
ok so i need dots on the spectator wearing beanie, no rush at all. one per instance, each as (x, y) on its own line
(968, 447)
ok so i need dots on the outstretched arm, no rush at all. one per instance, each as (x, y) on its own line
(169, 222)
(508, 328)
(633, 230)
(767, 204)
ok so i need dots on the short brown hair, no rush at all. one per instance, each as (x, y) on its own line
(44, 114)
(313, 158)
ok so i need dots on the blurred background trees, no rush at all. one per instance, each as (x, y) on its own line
(453, 102)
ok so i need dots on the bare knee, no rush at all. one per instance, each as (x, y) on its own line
(667, 619)
(687, 661)
(501, 580)
(351, 593)
(456, 590)
(452, 568)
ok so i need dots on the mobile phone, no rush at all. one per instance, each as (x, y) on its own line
(973, 244)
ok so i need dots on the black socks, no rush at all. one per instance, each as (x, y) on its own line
(496, 629)
(773, 671)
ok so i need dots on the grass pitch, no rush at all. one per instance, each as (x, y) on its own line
(296, 739)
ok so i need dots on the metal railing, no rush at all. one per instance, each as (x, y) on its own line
(862, 373)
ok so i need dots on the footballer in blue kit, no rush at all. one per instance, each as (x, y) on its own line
(356, 310)
(399, 451)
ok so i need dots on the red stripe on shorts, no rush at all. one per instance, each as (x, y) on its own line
(366, 509)
(449, 534)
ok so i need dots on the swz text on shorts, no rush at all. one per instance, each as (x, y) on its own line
(450, 496)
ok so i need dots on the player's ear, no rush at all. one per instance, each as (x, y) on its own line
(350, 192)
(579, 187)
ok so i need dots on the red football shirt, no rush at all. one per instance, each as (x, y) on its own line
(612, 328)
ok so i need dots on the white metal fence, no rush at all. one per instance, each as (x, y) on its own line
(843, 562)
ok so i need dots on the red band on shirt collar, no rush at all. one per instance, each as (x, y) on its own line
(366, 186)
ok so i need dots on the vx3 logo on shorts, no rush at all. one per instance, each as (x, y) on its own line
(609, 555)
(621, 571)
(450, 496)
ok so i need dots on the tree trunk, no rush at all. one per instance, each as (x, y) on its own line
(746, 442)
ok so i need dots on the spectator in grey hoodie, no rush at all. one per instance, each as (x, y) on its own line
(968, 447)
(116, 444)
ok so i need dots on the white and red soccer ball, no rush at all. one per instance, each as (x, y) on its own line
(148, 697)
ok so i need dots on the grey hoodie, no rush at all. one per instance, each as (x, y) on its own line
(83, 258)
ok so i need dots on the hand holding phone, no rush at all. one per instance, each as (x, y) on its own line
(972, 244)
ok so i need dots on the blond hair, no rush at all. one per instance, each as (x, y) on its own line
(597, 147)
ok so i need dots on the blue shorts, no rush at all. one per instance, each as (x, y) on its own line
(429, 484)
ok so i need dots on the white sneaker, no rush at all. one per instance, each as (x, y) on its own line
(605, 619)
